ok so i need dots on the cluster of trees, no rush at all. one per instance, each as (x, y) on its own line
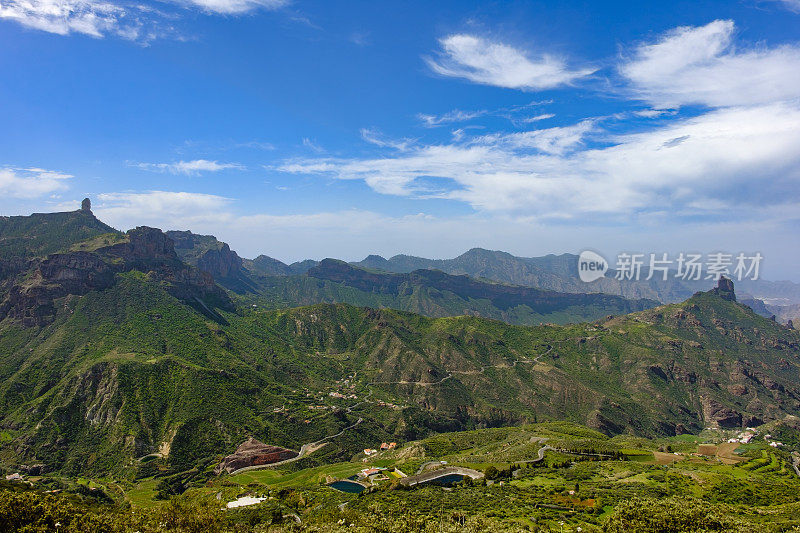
(494, 473)
(688, 515)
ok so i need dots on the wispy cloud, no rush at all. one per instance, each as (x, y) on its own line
(536, 118)
(96, 18)
(516, 114)
(455, 115)
(377, 138)
(487, 62)
(29, 183)
(312, 145)
(211, 146)
(700, 65)
(791, 5)
(557, 140)
(189, 168)
(359, 38)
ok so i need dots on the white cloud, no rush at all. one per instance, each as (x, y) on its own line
(235, 7)
(29, 183)
(162, 209)
(491, 63)
(536, 118)
(189, 168)
(653, 113)
(700, 65)
(96, 18)
(738, 156)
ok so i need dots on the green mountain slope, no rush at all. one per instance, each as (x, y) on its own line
(44, 233)
(132, 370)
(115, 350)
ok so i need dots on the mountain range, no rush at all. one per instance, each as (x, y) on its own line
(429, 292)
(556, 273)
(550, 272)
(115, 349)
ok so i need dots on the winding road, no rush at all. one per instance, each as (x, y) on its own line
(539, 455)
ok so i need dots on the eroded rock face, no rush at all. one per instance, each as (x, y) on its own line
(207, 253)
(716, 414)
(31, 301)
(724, 289)
(253, 452)
(222, 263)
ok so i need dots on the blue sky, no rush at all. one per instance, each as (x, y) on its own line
(312, 129)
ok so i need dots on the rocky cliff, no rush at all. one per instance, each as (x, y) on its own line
(31, 299)
(207, 253)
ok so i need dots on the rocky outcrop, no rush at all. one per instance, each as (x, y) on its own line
(724, 289)
(222, 263)
(31, 300)
(253, 452)
(145, 244)
(207, 253)
(716, 414)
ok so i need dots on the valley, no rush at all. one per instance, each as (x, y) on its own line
(128, 369)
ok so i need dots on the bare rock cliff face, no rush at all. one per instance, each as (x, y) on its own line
(31, 301)
(222, 263)
(207, 253)
(724, 289)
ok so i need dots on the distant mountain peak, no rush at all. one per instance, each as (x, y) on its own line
(375, 262)
(482, 252)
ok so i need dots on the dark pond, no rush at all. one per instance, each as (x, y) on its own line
(345, 485)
